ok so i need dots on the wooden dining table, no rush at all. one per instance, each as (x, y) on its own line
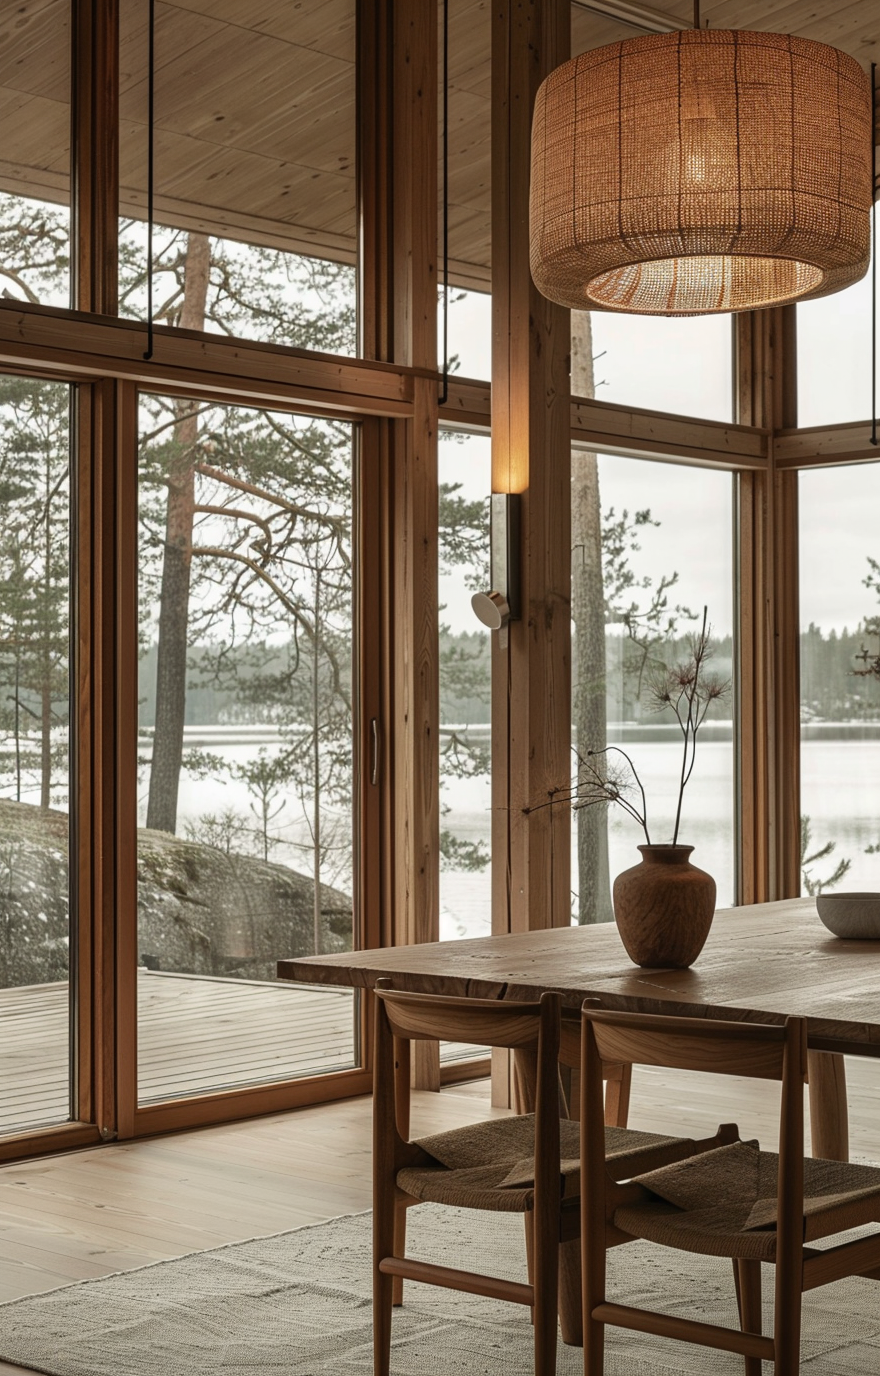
(761, 963)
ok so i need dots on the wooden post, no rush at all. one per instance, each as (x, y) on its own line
(95, 162)
(769, 669)
(398, 162)
(769, 633)
(97, 420)
(531, 675)
(106, 752)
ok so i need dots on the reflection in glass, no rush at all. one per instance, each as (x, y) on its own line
(840, 678)
(255, 204)
(651, 547)
(35, 154)
(465, 687)
(245, 847)
(34, 751)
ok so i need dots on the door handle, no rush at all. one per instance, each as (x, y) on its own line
(374, 751)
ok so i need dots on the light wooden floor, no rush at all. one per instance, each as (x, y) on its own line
(125, 1205)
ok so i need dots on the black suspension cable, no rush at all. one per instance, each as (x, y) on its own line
(874, 190)
(444, 392)
(151, 94)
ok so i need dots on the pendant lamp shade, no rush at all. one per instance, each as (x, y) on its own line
(701, 171)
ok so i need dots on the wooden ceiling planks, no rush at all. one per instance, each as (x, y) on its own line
(255, 132)
(255, 109)
(470, 162)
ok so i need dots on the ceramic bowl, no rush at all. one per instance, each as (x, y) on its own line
(854, 916)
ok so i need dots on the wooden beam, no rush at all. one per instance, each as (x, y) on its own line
(468, 406)
(768, 669)
(825, 445)
(78, 345)
(612, 429)
(531, 424)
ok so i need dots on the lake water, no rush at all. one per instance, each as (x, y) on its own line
(840, 783)
(840, 789)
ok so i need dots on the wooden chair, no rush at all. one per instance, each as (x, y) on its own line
(736, 1201)
(525, 1164)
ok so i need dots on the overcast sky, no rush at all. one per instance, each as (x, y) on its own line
(684, 366)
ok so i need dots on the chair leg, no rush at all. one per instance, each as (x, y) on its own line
(594, 1260)
(787, 1327)
(544, 1271)
(400, 1251)
(383, 1285)
(382, 1296)
(571, 1316)
(747, 1277)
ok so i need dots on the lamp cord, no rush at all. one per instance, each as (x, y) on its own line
(874, 190)
(151, 96)
(444, 391)
(697, 23)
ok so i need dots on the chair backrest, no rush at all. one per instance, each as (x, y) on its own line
(485, 1022)
(757, 1050)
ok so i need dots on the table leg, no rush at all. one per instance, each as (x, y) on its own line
(828, 1107)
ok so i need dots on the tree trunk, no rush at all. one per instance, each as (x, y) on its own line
(46, 657)
(171, 656)
(316, 761)
(588, 651)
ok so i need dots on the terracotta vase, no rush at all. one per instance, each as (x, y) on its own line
(664, 908)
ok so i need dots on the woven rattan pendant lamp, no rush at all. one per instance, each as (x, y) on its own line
(701, 171)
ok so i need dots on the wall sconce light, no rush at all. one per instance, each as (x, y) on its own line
(502, 604)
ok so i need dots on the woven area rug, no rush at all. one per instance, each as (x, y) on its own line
(299, 1303)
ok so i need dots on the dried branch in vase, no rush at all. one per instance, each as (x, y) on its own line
(685, 688)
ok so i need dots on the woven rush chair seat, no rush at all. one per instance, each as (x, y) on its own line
(491, 1165)
(725, 1202)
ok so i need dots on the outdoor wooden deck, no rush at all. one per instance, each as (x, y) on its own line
(194, 1034)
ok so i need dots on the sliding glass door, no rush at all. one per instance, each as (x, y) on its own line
(245, 757)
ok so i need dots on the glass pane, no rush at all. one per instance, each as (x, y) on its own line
(465, 688)
(470, 187)
(245, 846)
(34, 752)
(35, 160)
(651, 547)
(255, 207)
(663, 364)
(470, 334)
(834, 357)
(840, 679)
